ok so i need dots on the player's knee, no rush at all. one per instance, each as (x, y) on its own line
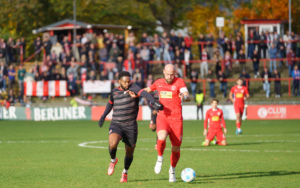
(224, 143)
(113, 145)
(175, 148)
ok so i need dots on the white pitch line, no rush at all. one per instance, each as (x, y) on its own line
(254, 135)
(85, 144)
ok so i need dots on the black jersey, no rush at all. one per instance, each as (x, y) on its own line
(125, 108)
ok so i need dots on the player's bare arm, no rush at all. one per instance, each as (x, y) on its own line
(205, 132)
(185, 96)
(246, 97)
(225, 131)
(230, 97)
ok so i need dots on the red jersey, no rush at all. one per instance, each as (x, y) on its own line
(169, 96)
(216, 119)
(239, 93)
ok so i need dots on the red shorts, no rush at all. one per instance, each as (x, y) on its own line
(218, 133)
(173, 127)
(239, 109)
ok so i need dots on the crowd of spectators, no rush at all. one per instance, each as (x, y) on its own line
(102, 56)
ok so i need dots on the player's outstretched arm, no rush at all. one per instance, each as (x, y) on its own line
(155, 105)
(148, 89)
(108, 108)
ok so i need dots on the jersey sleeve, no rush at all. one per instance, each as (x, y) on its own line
(111, 99)
(181, 86)
(136, 89)
(153, 87)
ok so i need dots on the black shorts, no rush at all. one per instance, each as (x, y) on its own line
(127, 132)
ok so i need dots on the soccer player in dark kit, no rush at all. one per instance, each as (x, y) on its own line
(123, 125)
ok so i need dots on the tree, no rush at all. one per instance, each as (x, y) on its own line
(268, 9)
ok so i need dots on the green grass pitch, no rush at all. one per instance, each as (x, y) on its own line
(50, 154)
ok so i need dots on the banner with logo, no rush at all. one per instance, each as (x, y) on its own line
(46, 88)
(61, 113)
(273, 112)
(14, 113)
(46, 114)
(97, 86)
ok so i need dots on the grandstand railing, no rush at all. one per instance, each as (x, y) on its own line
(204, 81)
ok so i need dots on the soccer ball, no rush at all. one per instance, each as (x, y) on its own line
(188, 175)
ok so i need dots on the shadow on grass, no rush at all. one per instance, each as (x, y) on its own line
(249, 175)
(213, 178)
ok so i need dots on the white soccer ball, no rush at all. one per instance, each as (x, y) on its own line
(188, 175)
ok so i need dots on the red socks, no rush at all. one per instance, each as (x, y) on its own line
(161, 145)
(238, 125)
(174, 158)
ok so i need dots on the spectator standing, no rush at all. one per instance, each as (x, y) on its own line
(114, 53)
(145, 55)
(11, 97)
(242, 57)
(290, 61)
(228, 63)
(262, 46)
(201, 44)
(11, 77)
(239, 43)
(10, 50)
(210, 45)
(21, 75)
(121, 45)
(266, 75)
(47, 45)
(194, 81)
(296, 81)
(223, 83)
(281, 51)
(2, 50)
(244, 76)
(166, 53)
(277, 83)
(251, 44)
(187, 57)
(204, 65)
(210, 78)
(3, 75)
(188, 39)
(255, 59)
(273, 56)
(119, 64)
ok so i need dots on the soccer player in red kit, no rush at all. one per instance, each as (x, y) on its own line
(216, 122)
(172, 91)
(241, 94)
